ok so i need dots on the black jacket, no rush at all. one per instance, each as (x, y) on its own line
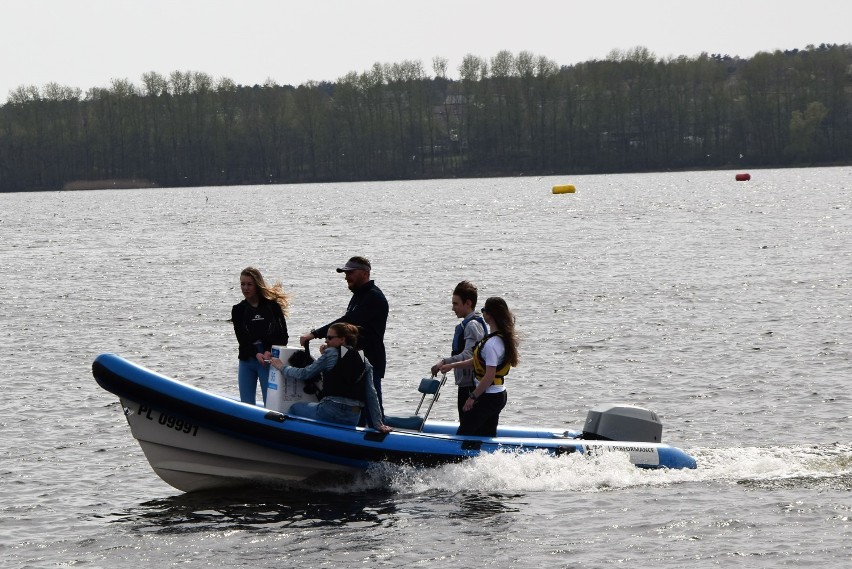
(368, 309)
(266, 323)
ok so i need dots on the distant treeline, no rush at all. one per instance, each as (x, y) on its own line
(512, 114)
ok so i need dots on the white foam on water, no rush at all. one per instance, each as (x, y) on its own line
(540, 472)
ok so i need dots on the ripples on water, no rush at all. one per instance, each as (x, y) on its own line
(723, 306)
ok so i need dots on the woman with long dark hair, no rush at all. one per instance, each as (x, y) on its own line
(259, 323)
(492, 358)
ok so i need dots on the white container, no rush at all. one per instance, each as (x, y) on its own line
(281, 392)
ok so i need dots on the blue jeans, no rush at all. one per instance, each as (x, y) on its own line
(250, 371)
(329, 411)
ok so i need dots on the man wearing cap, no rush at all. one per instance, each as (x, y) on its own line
(368, 310)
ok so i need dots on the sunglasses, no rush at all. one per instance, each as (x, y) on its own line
(331, 337)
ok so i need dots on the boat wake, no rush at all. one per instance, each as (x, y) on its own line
(366, 497)
(816, 465)
(812, 465)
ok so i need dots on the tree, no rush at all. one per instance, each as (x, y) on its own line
(803, 131)
(505, 115)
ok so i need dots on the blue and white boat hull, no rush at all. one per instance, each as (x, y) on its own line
(196, 440)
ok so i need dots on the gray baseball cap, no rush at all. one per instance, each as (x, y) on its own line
(355, 264)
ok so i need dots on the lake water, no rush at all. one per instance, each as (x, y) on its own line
(724, 306)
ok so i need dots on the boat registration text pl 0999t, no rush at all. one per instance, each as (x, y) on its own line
(166, 420)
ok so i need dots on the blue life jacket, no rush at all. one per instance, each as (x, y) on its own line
(458, 336)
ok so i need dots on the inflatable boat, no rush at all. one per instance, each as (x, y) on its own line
(198, 440)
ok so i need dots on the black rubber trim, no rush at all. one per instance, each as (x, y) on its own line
(275, 416)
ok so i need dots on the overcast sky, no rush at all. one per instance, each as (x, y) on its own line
(86, 43)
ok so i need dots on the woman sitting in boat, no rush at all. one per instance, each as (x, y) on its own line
(347, 381)
(492, 358)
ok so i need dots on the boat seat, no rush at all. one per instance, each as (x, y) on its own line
(428, 386)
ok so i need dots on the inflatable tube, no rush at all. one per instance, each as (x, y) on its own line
(197, 440)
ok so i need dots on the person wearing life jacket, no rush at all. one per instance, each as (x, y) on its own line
(347, 384)
(467, 333)
(492, 358)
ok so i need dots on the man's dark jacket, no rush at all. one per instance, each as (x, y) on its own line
(368, 309)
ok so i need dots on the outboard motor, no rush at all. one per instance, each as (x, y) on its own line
(622, 423)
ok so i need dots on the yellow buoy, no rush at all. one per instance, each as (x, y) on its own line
(566, 189)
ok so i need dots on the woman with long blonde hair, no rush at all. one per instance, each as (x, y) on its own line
(259, 323)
